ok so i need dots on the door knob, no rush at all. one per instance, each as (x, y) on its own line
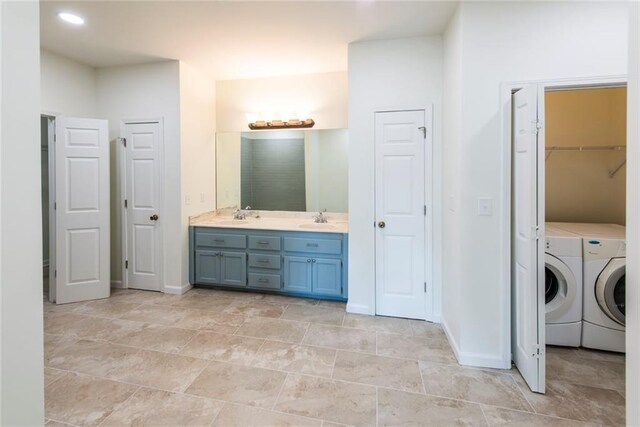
(154, 217)
(381, 224)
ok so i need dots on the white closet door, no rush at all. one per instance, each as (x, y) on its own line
(528, 303)
(143, 192)
(82, 209)
(400, 214)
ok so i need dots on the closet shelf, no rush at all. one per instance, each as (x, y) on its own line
(588, 148)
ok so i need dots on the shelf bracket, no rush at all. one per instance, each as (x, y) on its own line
(613, 173)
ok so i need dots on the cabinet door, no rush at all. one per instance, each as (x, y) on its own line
(233, 268)
(207, 267)
(327, 276)
(297, 274)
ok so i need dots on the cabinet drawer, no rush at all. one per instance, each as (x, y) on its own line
(266, 243)
(268, 281)
(264, 261)
(316, 246)
(235, 241)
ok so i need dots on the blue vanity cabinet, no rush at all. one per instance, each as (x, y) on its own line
(309, 264)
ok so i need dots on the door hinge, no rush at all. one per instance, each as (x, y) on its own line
(536, 351)
(55, 206)
(54, 137)
(425, 210)
(538, 125)
(124, 142)
(125, 203)
(425, 287)
(55, 273)
(126, 264)
(424, 131)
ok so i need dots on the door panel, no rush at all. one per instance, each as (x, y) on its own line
(528, 303)
(82, 210)
(297, 274)
(327, 276)
(207, 267)
(143, 189)
(233, 268)
(400, 199)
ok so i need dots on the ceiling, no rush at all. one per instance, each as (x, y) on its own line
(234, 39)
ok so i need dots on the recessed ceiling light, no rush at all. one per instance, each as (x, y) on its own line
(71, 18)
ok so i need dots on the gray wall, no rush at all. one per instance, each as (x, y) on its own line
(273, 174)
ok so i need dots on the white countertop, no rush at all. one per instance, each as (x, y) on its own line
(274, 220)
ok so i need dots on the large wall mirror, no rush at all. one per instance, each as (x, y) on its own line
(292, 170)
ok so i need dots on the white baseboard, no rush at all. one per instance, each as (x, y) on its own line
(359, 309)
(117, 284)
(177, 290)
(480, 360)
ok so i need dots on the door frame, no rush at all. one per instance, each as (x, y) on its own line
(122, 176)
(51, 133)
(430, 295)
(506, 91)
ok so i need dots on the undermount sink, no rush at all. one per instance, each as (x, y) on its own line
(232, 222)
(317, 226)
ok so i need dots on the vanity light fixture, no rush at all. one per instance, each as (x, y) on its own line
(280, 124)
(71, 18)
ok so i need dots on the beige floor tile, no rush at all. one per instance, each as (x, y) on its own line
(158, 337)
(157, 314)
(94, 328)
(51, 423)
(425, 329)
(108, 307)
(205, 302)
(363, 368)
(133, 295)
(209, 320)
(607, 356)
(49, 307)
(427, 349)
(507, 417)
(51, 374)
(83, 400)
(397, 408)
(225, 348)
(590, 372)
(247, 416)
(577, 402)
(160, 298)
(54, 342)
(239, 384)
(63, 323)
(273, 329)
(330, 424)
(148, 407)
(475, 385)
(97, 358)
(391, 325)
(332, 304)
(296, 358)
(341, 338)
(159, 370)
(330, 400)
(313, 314)
(283, 299)
(251, 308)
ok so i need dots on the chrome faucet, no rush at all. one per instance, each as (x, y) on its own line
(320, 218)
(250, 212)
(238, 214)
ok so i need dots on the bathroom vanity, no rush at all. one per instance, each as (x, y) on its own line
(288, 255)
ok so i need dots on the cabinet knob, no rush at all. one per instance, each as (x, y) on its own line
(382, 224)
(313, 260)
(309, 260)
(154, 217)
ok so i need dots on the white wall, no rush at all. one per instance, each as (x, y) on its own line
(633, 221)
(149, 91)
(68, 87)
(506, 42)
(21, 345)
(198, 149)
(387, 74)
(323, 97)
(332, 175)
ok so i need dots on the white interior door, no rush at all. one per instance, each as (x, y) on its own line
(528, 304)
(82, 209)
(143, 200)
(400, 139)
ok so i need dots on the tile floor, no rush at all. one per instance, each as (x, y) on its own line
(220, 358)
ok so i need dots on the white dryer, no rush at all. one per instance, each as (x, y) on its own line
(604, 262)
(563, 287)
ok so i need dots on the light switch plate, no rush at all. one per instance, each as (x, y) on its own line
(485, 206)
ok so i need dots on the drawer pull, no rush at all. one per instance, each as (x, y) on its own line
(312, 245)
(263, 242)
(263, 280)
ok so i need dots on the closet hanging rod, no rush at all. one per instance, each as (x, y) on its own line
(588, 148)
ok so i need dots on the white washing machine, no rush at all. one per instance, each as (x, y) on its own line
(604, 262)
(563, 287)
